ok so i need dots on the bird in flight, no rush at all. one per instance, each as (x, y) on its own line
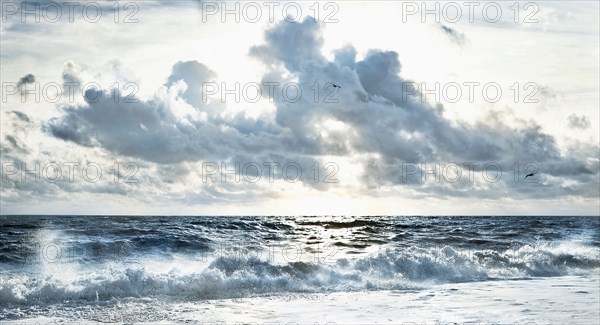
(530, 174)
(336, 86)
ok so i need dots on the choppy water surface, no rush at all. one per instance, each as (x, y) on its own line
(51, 263)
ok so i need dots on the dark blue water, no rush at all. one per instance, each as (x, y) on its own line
(79, 260)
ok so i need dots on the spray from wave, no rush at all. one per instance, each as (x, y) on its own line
(186, 279)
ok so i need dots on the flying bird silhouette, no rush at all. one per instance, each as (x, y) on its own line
(530, 174)
(336, 86)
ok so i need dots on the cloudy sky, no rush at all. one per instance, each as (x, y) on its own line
(432, 116)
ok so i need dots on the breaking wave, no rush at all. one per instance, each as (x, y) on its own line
(239, 276)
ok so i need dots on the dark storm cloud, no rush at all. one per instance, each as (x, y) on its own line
(578, 122)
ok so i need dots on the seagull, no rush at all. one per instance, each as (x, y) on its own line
(336, 86)
(531, 174)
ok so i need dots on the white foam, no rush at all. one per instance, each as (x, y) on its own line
(184, 279)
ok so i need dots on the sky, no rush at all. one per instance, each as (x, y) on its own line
(300, 108)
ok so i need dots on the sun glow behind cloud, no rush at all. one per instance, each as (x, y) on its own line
(368, 162)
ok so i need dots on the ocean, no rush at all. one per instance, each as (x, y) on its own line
(301, 270)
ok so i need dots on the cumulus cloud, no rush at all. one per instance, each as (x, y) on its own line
(156, 131)
(380, 121)
(580, 122)
(372, 123)
(27, 79)
(193, 74)
(147, 130)
(71, 74)
(291, 44)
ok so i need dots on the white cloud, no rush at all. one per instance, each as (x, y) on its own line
(371, 132)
